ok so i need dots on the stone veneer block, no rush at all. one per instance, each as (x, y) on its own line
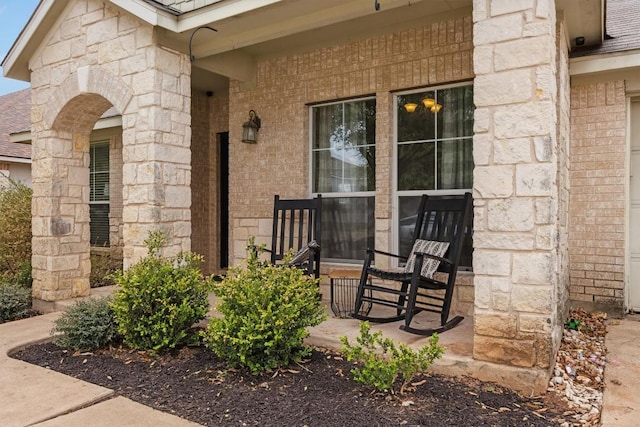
(504, 350)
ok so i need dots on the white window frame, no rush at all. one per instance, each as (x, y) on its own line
(326, 195)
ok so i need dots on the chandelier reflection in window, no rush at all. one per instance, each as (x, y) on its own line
(427, 103)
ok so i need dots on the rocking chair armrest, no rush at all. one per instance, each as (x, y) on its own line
(376, 251)
(314, 251)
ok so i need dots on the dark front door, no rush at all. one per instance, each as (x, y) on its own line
(223, 143)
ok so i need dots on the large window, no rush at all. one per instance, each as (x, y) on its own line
(99, 193)
(434, 130)
(343, 171)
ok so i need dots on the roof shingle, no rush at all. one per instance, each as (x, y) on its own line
(15, 116)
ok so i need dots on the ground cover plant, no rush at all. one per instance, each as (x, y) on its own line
(15, 301)
(381, 361)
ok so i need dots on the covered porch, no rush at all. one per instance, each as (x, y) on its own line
(184, 92)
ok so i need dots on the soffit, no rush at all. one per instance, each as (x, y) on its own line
(583, 18)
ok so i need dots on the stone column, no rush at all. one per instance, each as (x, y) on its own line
(515, 186)
(60, 226)
(157, 155)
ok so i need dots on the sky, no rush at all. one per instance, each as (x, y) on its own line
(14, 15)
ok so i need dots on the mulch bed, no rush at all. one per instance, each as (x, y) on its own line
(194, 384)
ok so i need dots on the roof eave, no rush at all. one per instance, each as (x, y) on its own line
(15, 64)
(12, 159)
(614, 61)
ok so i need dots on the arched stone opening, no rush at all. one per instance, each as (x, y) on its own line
(60, 169)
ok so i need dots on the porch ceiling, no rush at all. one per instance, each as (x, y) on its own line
(247, 31)
(584, 18)
(290, 26)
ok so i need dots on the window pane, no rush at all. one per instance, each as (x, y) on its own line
(455, 164)
(99, 215)
(418, 125)
(441, 155)
(344, 170)
(348, 226)
(455, 119)
(100, 187)
(99, 192)
(328, 130)
(415, 166)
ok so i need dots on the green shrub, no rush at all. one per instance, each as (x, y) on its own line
(382, 362)
(103, 265)
(15, 233)
(15, 301)
(87, 325)
(159, 299)
(266, 312)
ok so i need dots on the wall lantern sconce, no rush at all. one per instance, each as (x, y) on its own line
(250, 128)
(428, 104)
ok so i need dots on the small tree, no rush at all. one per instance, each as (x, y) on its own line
(15, 232)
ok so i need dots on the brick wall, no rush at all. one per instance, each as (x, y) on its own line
(279, 163)
(597, 203)
(201, 147)
(219, 122)
(427, 55)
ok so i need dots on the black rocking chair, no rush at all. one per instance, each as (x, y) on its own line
(441, 224)
(296, 226)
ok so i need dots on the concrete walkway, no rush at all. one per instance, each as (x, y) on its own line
(622, 374)
(35, 396)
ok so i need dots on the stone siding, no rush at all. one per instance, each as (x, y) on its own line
(115, 195)
(598, 198)
(96, 57)
(563, 137)
(517, 217)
